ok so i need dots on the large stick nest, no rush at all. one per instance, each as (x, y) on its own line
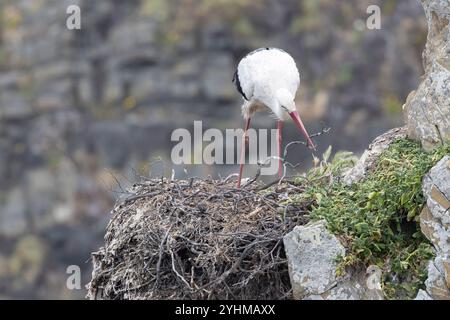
(197, 239)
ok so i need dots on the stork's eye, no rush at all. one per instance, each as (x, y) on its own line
(285, 109)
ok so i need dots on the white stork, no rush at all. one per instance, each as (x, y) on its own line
(268, 79)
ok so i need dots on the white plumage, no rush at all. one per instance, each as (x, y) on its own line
(268, 78)
(263, 73)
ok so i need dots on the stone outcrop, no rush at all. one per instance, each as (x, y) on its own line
(423, 295)
(312, 253)
(435, 225)
(427, 109)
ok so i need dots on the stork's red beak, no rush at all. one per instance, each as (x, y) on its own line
(298, 121)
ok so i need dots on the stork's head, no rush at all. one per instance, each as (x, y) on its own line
(286, 102)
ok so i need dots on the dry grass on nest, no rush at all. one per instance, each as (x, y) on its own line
(197, 239)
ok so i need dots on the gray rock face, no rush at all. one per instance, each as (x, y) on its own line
(423, 295)
(427, 110)
(311, 251)
(358, 286)
(435, 284)
(435, 225)
(436, 186)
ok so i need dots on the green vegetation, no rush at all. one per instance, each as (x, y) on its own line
(376, 219)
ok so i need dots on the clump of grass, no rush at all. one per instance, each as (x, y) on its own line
(377, 218)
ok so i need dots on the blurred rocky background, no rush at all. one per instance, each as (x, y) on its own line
(83, 112)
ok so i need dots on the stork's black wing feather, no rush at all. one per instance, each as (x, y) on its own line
(237, 83)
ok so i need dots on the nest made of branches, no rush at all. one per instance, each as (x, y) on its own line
(197, 239)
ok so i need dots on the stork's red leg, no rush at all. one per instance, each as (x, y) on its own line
(279, 137)
(242, 158)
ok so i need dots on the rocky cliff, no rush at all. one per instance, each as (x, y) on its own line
(427, 111)
(79, 109)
